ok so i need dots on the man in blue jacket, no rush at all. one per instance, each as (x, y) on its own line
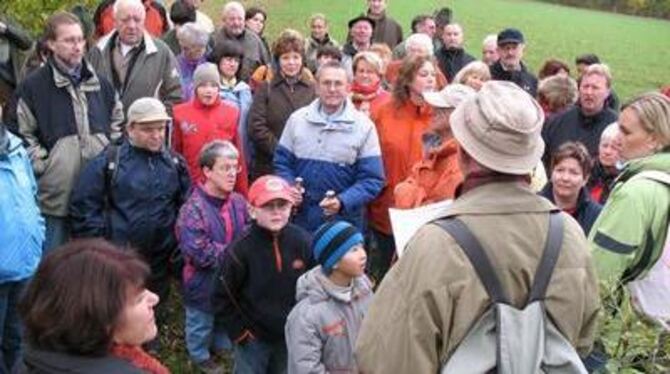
(21, 235)
(334, 148)
(131, 194)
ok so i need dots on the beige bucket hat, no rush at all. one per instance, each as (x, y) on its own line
(500, 127)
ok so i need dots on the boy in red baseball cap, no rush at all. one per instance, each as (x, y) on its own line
(256, 288)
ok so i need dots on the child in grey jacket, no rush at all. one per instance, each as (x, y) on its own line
(322, 328)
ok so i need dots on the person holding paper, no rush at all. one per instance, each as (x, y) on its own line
(437, 175)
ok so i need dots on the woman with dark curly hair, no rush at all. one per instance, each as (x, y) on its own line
(87, 311)
(290, 86)
(401, 122)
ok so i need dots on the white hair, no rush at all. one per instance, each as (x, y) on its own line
(420, 40)
(610, 132)
(192, 33)
(233, 6)
(458, 25)
(490, 39)
(118, 4)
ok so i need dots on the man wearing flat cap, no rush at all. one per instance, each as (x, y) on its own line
(509, 67)
(429, 300)
(130, 194)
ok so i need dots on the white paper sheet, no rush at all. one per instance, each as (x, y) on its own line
(406, 222)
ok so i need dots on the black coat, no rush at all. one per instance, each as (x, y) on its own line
(587, 210)
(523, 78)
(451, 61)
(573, 126)
(47, 362)
(255, 289)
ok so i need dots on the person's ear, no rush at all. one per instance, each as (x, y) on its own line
(252, 211)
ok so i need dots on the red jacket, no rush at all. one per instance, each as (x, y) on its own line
(400, 129)
(196, 125)
(432, 179)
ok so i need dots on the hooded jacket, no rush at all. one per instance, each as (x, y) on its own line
(22, 232)
(322, 328)
(452, 60)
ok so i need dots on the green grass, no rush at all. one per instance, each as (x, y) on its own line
(637, 49)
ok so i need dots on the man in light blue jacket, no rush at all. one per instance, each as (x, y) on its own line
(334, 148)
(21, 237)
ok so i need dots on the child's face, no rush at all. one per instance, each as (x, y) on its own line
(352, 264)
(272, 215)
(207, 93)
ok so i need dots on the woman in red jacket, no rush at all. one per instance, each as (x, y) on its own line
(203, 119)
(400, 123)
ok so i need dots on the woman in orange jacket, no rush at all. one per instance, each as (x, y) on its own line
(401, 122)
(436, 176)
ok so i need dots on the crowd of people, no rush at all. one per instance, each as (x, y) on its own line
(151, 146)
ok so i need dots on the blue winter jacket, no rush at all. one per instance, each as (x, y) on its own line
(139, 206)
(338, 152)
(21, 225)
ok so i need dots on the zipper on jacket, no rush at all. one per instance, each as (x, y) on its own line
(277, 253)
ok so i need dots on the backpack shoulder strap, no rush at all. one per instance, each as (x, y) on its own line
(111, 165)
(552, 249)
(473, 249)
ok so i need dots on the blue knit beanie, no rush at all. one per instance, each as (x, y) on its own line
(332, 241)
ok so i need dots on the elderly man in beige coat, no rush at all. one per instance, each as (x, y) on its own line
(432, 297)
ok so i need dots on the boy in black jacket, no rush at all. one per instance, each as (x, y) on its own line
(255, 290)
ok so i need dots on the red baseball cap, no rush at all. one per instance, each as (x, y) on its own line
(268, 188)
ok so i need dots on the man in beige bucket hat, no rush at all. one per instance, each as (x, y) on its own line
(131, 193)
(430, 299)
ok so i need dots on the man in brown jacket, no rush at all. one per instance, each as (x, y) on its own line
(387, 30)
(432, 297)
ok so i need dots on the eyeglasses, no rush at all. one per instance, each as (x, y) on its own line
(229, 169)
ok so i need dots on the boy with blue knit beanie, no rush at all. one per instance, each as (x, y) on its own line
(332, 299)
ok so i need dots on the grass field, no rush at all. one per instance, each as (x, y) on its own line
(637, 49)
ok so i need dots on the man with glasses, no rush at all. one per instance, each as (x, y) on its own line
(66, 113)
(131, 194)
(334, 148)
(137, 64)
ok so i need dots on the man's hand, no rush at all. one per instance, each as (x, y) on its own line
(330, 206)
(296, 195)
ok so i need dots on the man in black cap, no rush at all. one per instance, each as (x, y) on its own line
(509, 67)
(361, 29)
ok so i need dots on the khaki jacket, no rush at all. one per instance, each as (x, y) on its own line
(432, 296)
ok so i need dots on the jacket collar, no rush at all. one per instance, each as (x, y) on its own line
(89, 80)
(107, 41)
(486, 199)
(583, 198)
(343, 121)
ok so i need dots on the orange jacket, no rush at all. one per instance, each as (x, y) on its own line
(400, 129)
(432, 179)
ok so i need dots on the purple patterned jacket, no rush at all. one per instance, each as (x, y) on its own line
(205, 228)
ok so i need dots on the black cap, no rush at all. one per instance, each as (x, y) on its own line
(509, 36)
(362, 17)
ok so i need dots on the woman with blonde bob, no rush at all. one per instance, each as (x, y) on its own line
(629, 236)
(367, 92)
(474, 74)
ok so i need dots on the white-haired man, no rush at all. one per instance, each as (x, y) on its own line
(233, 29)
(137, 64)
(452, 57)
